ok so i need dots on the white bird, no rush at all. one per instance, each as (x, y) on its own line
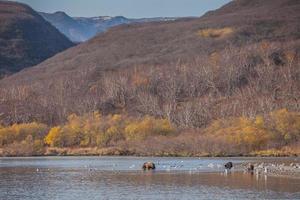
(211, 165)
(132, 166)
(226, 171)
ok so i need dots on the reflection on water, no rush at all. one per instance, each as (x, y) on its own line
(120, 178)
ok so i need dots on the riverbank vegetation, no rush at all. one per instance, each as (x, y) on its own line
(277, 134)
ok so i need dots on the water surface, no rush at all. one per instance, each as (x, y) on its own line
(88, 178)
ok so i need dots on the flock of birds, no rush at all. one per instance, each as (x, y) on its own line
(260, 168)
(151, 166)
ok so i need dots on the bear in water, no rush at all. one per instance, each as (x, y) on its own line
(228, 165)
(148, 166)
(250, 168)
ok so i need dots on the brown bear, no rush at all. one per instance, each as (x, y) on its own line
(148, 166)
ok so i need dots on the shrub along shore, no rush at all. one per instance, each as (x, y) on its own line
(275, 134)
(116, 151)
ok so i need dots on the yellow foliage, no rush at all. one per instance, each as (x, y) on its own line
(259, 121)
(287, 124)
(281, 125)
(241, 131)
(79, 130)
(112, 134)
(215, 32)
(19, 132)
(53, 136)
(116, 117)
(275, 130)
(94, 130)
(112, 130)
(148, 126)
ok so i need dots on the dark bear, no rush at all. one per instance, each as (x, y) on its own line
(228, 165)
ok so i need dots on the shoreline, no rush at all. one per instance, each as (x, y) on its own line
(291, 170)
(115, 151)
(147, 156)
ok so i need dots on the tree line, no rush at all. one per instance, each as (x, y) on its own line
(233, 136)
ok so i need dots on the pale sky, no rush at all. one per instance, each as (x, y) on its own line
(127, 8)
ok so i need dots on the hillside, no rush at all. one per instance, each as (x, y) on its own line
(227, 83)
(26, 39)
(80, 29)
(162, 68)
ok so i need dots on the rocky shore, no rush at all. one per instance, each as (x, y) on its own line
(271, 169)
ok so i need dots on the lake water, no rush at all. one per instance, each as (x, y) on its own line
(80, 178)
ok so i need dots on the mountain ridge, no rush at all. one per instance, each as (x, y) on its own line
(80, 29)
(26, 38)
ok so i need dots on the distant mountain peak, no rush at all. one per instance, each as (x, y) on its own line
(60, 13)
(80, 29)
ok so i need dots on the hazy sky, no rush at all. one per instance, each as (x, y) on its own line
(127, 8)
